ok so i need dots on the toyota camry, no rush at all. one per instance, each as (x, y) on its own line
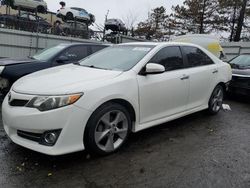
(96, 103)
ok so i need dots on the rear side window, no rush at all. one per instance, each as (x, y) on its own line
(196, 57)
(97, 48)
(169, 57)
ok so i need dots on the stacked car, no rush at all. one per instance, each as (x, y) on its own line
(31, 5)
(76, 21)
(26, 22)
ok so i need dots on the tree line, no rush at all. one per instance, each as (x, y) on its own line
(227, 17)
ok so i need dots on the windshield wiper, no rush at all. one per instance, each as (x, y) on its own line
(93, 66)
(76, 63)
(234, 65)
(31, 57)
(244, 66)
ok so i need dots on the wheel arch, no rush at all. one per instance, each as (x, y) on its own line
(223, 85)
(122, 102)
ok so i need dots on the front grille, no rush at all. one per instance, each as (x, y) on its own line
(18, 102)
(36, 137)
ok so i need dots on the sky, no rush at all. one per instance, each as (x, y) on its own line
(117, 8)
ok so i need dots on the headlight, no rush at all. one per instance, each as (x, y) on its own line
(45, 103)
(1, 69)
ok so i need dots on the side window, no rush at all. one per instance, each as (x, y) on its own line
(196, 57)
(76, 53)
(170, 58)
(97, 48)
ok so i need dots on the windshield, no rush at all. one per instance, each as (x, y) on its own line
(48, 53)
(241, 61)
(120, 58)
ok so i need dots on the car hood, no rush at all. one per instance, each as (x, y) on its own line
(65, 79)
(13, 61)
(241, 72)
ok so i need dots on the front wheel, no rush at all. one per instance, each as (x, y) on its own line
(107, 129)
(216, 100)
(69, 16)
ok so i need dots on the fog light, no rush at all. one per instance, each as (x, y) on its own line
(49, 138)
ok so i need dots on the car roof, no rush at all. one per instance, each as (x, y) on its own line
(78, 43)
(160, 44)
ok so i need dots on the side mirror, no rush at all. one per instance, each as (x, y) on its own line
(153, 68)
(62, 59)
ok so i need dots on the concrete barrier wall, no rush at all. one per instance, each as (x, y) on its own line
(233, 49)
(15, 43)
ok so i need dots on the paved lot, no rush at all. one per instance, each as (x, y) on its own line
(195, 151)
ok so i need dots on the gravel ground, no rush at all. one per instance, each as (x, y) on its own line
(195, 151)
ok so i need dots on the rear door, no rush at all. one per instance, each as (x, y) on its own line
(165, 94)
(202, 72)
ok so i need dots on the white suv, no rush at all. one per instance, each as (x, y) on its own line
(72, 13)
(39, 5)
(94, 104)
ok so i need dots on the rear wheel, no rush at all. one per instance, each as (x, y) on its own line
(69, 16)
(107, 129)
(41, 9)
(216, 100)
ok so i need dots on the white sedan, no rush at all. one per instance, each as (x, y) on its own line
(96, 103)
(39, 5)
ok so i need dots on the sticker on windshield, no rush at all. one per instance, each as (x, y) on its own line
(60, 47)
(144, 49)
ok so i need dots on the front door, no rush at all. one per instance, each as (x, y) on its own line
(165, 94)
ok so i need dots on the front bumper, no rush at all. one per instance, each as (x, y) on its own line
(240, 85)
(71, 120)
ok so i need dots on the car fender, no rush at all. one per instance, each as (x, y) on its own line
(123, 89)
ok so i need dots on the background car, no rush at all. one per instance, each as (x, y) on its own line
(12, 69)
(207, 41)
(75, 28)
(240, 83)
(115, 25)
(31, 5)
(96, 103)
(73, 13)
(25, 22)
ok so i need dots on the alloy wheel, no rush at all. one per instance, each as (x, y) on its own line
(111, 130)
(217, 99)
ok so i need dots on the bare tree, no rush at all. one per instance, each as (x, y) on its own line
(130, 21)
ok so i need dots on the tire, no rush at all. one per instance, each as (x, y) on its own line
(67, 31)
(107, 129)
(216, 100)
(69, 16)
(41, 9)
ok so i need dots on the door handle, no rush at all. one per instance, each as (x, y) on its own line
(215, 71)
(185, 77)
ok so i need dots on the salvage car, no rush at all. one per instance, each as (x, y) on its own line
(240, 83)
(75, 28)
(75, 13)
(25, 22)
(96, 103)
(12, 69)
(31, 5)
(115, 25)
